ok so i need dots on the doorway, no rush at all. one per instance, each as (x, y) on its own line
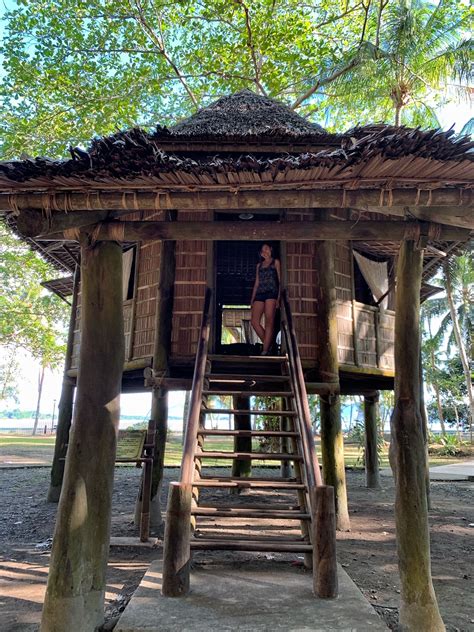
(235, 270)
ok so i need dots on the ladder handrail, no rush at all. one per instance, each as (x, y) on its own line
(192, 422)
(311, 459)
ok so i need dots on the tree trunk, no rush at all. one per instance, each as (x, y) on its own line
(460, 342)
(159, 412)
(419, 609)
(424, 420)
(242, 467)
(38, 401)
(77, 577)
(436, 388)
(332, 444)
(65, 406)
(372, 474)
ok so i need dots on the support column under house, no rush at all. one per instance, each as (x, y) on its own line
(332, 445)
(419, 608)
(372, 472)
(77, 576)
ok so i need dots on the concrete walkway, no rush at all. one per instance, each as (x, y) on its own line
(256, 598)
(463, 471)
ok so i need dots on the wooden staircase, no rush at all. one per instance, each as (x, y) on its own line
(287, 522)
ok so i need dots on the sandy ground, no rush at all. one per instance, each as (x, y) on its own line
(368, 552)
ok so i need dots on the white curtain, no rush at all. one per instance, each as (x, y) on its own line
(127, 260)
(376, 275)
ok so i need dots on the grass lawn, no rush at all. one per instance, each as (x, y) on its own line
(43, 446)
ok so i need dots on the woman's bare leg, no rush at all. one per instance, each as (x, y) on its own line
(256, 317)
(270, 309)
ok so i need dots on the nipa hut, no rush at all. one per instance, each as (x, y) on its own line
(144, 222)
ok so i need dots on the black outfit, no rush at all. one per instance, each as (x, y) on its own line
(268, 284)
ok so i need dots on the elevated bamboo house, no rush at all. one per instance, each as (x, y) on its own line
(152, 219)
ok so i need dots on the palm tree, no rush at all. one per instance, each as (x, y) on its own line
(419, 49)
(456, 311)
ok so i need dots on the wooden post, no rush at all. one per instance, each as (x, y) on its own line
(65, 405)
(372, 474)
(161, 354)
(242, 444)
(177, 546)
(332, 444)
(325, 582)
(77, 576)
(419, 609)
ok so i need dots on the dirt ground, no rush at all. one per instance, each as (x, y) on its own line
(368, 552)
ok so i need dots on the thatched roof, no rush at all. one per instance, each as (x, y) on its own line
(163, 158)
(244, 115)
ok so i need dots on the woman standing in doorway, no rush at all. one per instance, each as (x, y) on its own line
(266, 296)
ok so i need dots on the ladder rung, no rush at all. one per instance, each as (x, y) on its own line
(230, 377)
(247, 483)
(248, 433)
(256, 507)
(230, 512)
(264, 393)
(239, 411)
(210, 534)
(249, 545)
(248, 359)
(266, 456)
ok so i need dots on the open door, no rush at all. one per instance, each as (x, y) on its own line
(236, 263)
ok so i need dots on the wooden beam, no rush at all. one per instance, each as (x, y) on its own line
(319, 230)
(31, 222)
(452, 206)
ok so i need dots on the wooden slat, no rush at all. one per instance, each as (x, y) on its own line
(239, 411)
(265, 393)
(249, 545)
(247, 433)
(265, 456)
(230, 377)
(233, 512)
(247, 483)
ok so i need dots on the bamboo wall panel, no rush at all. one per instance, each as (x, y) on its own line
(301, 283)
(189, 290)
(146, 293)
(365, 332)
(343, 281)
(387, 339)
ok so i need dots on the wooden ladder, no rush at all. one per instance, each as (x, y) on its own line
(191, 521)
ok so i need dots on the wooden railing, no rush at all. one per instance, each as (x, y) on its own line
(313, 473)
(195, 404)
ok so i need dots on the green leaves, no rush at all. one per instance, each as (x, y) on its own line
(30, 317)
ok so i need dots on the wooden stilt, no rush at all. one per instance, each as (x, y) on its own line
(177, 551)
(372, 474)
(242, 467)
(325, 582)
(419, 609)
(332, 443)
(77, 577)
(65, 406)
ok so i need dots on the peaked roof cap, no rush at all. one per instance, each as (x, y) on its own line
(245, 115)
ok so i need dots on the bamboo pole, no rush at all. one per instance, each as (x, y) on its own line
(77, 576)
(65, 405)
(419, 609)
(242, 467)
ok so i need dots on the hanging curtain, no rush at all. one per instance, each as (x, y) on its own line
(376, 275)
(127, 260)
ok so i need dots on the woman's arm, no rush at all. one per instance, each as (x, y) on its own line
(278, 269)
(255, 285)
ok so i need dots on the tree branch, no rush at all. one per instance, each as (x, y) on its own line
(250, 43)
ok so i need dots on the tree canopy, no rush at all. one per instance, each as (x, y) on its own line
(78, 68)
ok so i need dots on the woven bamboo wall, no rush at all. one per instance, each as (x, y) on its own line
(343, 277)
(387, 339)
(301, 283)
(365, 332)
(190, 287)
